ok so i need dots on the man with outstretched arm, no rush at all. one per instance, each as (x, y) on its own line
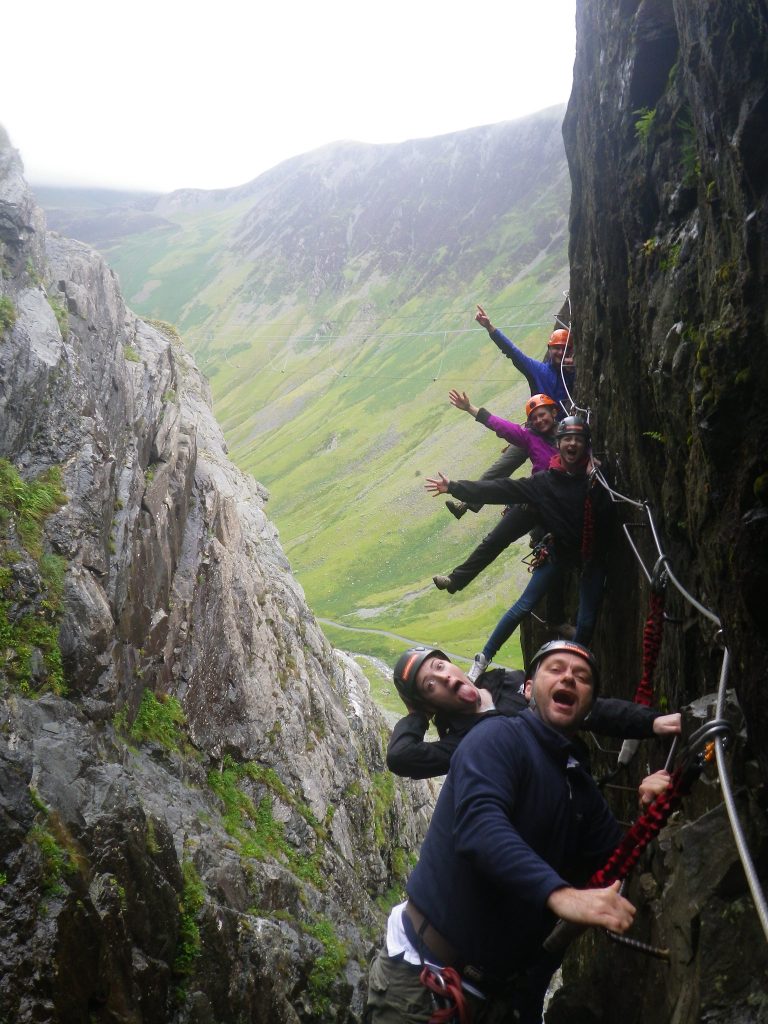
(433, 687)
(553, 375)
(518, 825)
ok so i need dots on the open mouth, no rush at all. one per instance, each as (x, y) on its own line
(564, 697)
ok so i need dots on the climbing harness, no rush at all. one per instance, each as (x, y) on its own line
(448, 999)
(540, 553)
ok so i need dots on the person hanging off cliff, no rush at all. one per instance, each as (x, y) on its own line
(572, 511)
(536, 440)
(552, 376)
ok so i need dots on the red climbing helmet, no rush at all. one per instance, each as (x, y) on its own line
(574, 425)
(560, 337)
(408, 664)
(537, 400)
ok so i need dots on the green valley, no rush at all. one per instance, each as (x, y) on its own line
(330, 303)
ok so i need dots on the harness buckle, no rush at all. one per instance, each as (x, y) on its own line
(540, 553)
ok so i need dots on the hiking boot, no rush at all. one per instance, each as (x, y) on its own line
(479, 665)
(456, 508)
(444, 583)
(566, 631)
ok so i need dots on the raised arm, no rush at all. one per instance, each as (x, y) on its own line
(484, 320)
(512, 432)
(487, 492)
(460, 400)
(529, 367)
(437, 485)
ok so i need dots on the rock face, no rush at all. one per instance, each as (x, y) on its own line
(666, 140)
(195, 818)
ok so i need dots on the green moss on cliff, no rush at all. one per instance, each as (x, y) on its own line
(62, 316)
(31, 583)
(190, 905)
(254, 826)
(159, 720)
(7, 313)
(327, 967)
(24, 505)
(55, 847)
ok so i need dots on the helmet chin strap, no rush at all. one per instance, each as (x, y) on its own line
(532, 699)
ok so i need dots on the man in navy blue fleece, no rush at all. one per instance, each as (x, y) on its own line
(518, 824)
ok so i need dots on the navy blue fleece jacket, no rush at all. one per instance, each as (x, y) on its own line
(515, 820)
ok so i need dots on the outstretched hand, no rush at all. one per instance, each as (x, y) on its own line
(603, 908)
(484, 320)
(459, 399)
(437, 486)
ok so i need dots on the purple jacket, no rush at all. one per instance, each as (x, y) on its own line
(540, 449)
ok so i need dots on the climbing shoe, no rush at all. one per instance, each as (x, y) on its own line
(444, 583)
(479, 665)
(456, 508)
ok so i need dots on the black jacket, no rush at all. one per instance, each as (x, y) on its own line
(559, 499)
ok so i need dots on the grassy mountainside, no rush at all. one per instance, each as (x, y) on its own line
(331, 303)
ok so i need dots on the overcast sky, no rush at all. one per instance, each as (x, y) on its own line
(165, 95)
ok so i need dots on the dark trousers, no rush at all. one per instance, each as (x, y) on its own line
(542, 580)
(514, 524)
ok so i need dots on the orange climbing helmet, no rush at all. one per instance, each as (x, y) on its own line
(537, 400)
(560, 337)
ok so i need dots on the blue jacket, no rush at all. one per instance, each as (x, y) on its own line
(543, 378)
(515, 820)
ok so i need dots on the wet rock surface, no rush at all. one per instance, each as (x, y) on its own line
(664, 134)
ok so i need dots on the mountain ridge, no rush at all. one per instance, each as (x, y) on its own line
(335, 292)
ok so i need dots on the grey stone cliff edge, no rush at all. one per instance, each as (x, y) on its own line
(195, 816)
